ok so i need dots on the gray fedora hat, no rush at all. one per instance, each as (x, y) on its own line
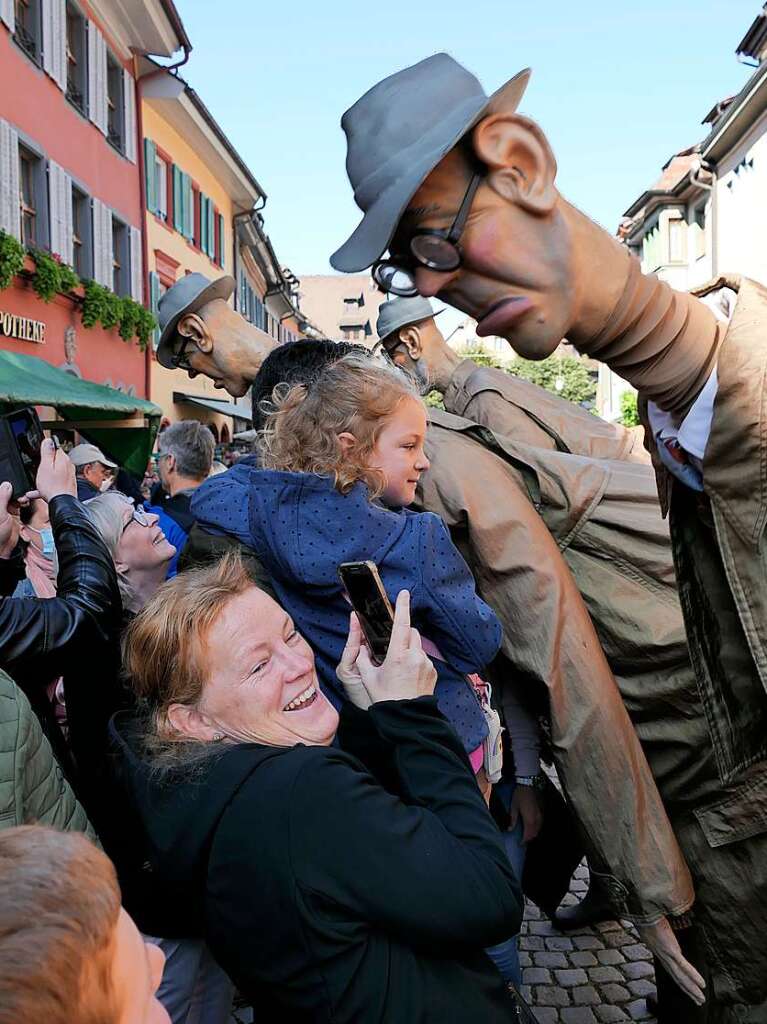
(188, 295)
(398, 132)
(400, 312)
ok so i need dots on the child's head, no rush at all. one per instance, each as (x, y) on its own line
(355, 421)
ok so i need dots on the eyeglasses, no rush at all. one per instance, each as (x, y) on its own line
(140, 516)
(179, 360)
(434, 248)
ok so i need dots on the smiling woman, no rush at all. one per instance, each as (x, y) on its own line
(321, 893)
(138, 546)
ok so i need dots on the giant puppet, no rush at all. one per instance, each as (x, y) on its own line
(461, 192)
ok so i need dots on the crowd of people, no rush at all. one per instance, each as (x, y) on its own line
(214, 786)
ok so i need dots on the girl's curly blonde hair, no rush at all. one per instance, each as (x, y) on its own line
(351, 396)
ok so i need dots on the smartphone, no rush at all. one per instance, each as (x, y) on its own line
(368, 598)
(21, 437)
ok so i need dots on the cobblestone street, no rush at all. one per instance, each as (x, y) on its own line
(599, 975)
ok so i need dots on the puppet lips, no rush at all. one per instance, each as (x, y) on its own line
(501, 315)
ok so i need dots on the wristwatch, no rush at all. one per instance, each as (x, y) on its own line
(534, 781)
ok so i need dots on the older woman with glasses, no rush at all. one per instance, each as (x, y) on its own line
(343, 871)
(135, 541)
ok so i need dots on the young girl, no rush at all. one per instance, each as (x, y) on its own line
(345, 456)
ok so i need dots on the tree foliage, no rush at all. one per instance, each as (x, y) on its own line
(629, 414)
(575, 382)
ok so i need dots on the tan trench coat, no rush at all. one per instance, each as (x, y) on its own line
(718, 541)
(531, 415)
(514, 511)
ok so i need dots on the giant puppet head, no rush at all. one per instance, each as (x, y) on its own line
(461, 190)
(202, 334)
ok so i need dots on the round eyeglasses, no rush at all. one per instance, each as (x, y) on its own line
(433, 248)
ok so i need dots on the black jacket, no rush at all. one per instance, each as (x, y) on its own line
(325, 895)
(75, 634)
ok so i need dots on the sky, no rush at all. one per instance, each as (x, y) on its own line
(618, 87)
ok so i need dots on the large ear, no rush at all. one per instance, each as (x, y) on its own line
(522, 167)
(189, 721)
(191, 325)
(410, 337)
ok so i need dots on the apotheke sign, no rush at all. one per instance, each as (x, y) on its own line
(22, 327)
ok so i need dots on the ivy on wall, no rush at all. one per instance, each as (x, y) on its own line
(99, 304)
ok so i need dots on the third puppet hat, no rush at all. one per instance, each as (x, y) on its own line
(188, 295)
(396, 135)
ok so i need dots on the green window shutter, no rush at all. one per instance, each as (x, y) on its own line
(188, 208)
(154, 302)
(221, 240)
(178, 201)
(150, 156)
(211, 230)
(203, 222)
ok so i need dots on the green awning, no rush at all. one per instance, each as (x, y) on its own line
(27, 380)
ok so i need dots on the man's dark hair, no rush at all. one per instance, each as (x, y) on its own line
(295, 362)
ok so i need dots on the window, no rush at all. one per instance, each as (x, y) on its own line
(77, 70)
(677, 231)
(115, 109)
(120, 258)
(161, 187)
(82, 233)
(31, 197)
(651, 246)
(699, 231)
(28, 33)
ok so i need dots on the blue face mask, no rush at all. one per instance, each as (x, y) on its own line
(46, 537)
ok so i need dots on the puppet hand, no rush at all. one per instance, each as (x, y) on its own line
(664, 945)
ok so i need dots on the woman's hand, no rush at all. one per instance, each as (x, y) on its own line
(526, 804)
(406, 672)
(348, 670)
(9, 523)
(56, 474)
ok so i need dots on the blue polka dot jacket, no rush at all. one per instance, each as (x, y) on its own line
(301, 528)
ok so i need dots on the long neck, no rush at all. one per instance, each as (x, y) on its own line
(444, 367)
(662, 341)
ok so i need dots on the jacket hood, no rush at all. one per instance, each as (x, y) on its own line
(298, 523)
(177, 812)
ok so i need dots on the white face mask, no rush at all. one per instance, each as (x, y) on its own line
(106, 484)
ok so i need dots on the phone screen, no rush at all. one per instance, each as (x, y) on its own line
(28, 435)
(370, 602)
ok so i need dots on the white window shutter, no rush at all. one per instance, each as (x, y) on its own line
(103, 92)
(10, 210)
(92, 75)
(136, 266)
(60, 200)
(46, 12)
(54, 18)
(129, 120)
(97, 78)
(106, 234)
(102, 243)
(60, 33)
(98, 245)
(8, 14)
